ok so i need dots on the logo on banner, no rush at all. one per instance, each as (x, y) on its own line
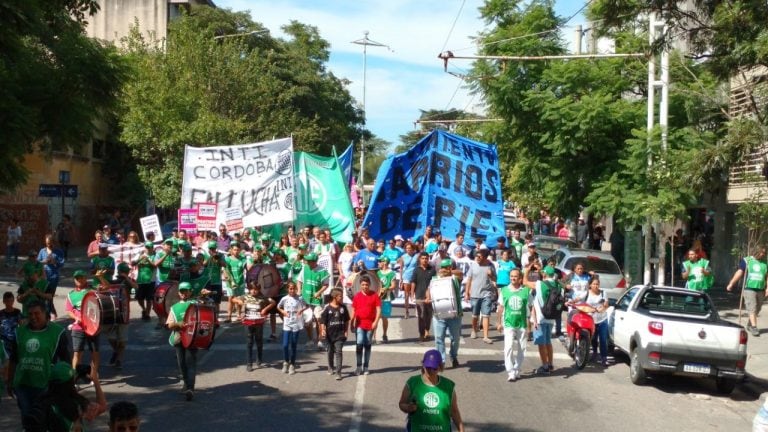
(284, 165)
(313, 200)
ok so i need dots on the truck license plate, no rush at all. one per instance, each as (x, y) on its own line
(696, 368)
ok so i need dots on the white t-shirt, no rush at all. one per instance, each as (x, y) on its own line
(345, 263)
(293, 306)
(594, 300)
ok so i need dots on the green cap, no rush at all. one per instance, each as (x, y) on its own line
(123, 268)
(185, 286)
(384, 259)
(185, 246)
(549, 271)
(234, 243)
(212, 245)
(257, 247)
(61, 372)
(168, 241)
(265, 237)
(79, 273)
(310, 256)
(446, 263)
(303, 246)
(149, 244)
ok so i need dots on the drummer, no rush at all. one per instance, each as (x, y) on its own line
(73, 306)
(311, 283)
(116, 333)
(186, 358)
(187, 264)
(212, 263)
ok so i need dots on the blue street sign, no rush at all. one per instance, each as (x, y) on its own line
(70, 191)
(49, 190)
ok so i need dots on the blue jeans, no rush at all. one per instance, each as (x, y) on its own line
(363, 347)
(12, 252)
(25, 398)
(601, 337)
(53, 283)
(186, 359)
(290, 340)
(451, 325)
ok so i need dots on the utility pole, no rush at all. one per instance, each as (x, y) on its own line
(365, 42)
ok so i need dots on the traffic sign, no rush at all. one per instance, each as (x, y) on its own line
(49, 190)
(70, 191)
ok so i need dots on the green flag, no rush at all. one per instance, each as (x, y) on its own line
(321, 196)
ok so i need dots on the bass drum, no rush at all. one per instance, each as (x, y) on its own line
(267, 277)
(123, 299)
(375, 285)
(99, 309)
(199, 326)
(166, 295)
(444, 302)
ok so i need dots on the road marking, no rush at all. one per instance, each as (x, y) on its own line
(357, 406)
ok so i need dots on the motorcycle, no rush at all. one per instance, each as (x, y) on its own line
(580, 328)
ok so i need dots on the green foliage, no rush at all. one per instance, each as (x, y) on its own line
(753, 215)
(206, 91)
(54, 81)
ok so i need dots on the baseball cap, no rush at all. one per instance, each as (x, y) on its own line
(61, 372)
(168, 241)
(149, 244)
(103, 246)
(234, 243)
(185, 286)
(186, 246)
(398, 237)
(79, 273)
(446, 263)
(384, 259)
(212, 245)
(432, 359)
(549, 271)
(310, 256)
(123, 268)
(531, 245)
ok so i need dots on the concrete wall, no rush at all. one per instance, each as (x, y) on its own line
(116, 17)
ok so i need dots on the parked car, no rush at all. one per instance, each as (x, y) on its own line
(677, 331)
(511, 222)
(547, 245)
(602, 263)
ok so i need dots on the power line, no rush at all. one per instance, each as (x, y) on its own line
(453, 26)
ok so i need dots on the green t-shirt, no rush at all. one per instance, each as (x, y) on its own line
(164, 268)
(285, 273)
(311, 281)
(102, 263)
(184, 265)
(36, 349)
(41, 285)
(178, 311)
(31, 267)
(515, 303)
(756, 271)
(145, 269)
(433, 412)
(236, 268)
(213, 267)
(386, 284)
(518, 245)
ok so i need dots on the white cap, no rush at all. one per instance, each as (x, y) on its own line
(399, 237)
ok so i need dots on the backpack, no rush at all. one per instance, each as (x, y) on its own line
(554, 303)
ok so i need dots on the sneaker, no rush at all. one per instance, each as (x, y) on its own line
(542, 370)
(189, 394)
(366, 371)
(285, 367)
(487, 340)
(385, 339)
(550, 367)
(291, 370)
(272, 338)
(604, 362)
(338, 376)
(321, 346)
(358, 370)
(454, 362)
(517, 374)
(249, 368)
(330, 370)
(755, 331)
(473, 335)
(594, 357)
(511, 377)
(113, 359)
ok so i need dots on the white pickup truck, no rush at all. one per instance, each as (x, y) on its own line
(675, 331)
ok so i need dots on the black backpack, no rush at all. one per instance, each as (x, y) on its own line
(554, 303)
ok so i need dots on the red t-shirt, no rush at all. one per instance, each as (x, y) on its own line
(365, 309)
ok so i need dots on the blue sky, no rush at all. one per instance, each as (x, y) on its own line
(407, 78)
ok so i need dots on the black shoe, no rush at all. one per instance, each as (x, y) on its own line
(249, 368)
(189, 395)
(454, 362)
(113, 359)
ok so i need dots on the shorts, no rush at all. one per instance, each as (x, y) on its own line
(115, 332)
(386, 309)
(543, 334)
(145, 291)
(481, 306)
(753, 300)
(80, 341)
(217, 290)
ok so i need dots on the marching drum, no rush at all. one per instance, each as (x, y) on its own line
(99, 309)
(166, 295)
(444, 302)
(375, 285)
(199, 328)
(267, 277)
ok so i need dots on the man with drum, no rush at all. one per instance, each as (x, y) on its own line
(80, 340)
(186, 263)
(186, 358)
(311, 283)
(119, 287)
(446, 321)
(212, 263)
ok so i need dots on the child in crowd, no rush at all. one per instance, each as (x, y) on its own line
(334, 325)
(256, 308)
(10, 318)
(291, 308)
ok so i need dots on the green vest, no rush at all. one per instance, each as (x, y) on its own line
(311, 281)
(697, 280)
(756, 271)
(76, 297)
(515, 306)
(433, 403)
(178, 310)
(36, 349)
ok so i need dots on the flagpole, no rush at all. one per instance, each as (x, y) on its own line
(365, 42)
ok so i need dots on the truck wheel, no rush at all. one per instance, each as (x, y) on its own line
(725, 386)
(636, 372)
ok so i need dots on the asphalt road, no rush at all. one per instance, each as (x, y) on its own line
(229, 398)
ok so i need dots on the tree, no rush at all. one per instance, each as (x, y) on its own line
(54, 81)
(202, 91)
(410, 139)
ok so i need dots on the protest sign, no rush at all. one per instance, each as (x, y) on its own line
(256, 178)
(188, 221)
(445, 180)
(151, 224)
(233, 218)
(206, 216)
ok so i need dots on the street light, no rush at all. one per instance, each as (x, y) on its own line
(250, 33)
(365, 42)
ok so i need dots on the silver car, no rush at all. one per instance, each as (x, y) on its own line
(612, 280)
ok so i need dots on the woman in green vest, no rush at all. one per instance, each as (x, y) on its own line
(697, 273)
(430, 399)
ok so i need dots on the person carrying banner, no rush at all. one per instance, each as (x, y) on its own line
(311, 283)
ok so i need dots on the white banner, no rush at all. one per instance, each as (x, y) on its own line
(257, 178)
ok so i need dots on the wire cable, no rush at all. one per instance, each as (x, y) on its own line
(453, 26)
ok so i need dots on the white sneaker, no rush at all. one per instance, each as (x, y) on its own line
(291, 370)
(285, 367)
(473, 334)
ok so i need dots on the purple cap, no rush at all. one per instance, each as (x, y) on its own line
(432, 359)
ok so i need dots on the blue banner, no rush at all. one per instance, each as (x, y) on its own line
(345, 161)
(447, 181)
